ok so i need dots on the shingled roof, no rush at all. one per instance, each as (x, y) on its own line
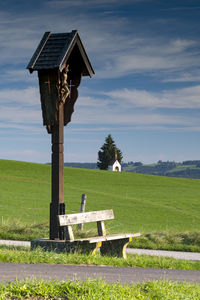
(55, 49)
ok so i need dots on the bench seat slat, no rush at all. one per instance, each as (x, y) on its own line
(92, 216)
(107, 238)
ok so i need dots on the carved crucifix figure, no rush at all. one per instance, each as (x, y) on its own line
(63, 87)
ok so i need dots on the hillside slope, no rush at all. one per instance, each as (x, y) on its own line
(141, 202)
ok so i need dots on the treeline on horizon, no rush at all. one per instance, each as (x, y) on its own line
(186, 169)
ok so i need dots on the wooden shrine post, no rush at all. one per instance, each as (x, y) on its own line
(57, 206)
(61, 61)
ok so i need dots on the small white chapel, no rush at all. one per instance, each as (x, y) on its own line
(114, 165)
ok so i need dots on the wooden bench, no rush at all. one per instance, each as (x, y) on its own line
(114, 245)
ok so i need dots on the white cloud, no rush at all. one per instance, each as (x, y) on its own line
(177, 98)
(21, 109)
(16, 127)
(116, 117)
(135, 55)
(28, 96)
(20, 115)
(17, 75)
(127, 114)
(183, 77)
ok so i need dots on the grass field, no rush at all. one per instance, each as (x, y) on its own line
(11, 254)
(98, 289)
(140, 202)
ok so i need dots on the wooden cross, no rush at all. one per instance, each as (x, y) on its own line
(49, 84)
(70, 87)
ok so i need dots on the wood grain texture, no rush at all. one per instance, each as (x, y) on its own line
(92, 216)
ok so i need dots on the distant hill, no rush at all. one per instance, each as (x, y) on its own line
(186, 169)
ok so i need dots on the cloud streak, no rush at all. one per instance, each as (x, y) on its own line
(124, 107)
(28, 96)
(90, 3)
(185, 98)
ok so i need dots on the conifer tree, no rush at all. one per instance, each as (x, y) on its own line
(107, 153)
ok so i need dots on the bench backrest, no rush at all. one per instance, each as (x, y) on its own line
(92, 216)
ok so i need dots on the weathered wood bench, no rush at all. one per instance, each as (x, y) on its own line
(114, 245)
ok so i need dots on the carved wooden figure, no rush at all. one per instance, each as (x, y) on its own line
(61, 61)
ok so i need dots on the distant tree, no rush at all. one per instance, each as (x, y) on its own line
(191, 162)
(163, 166)
(138, 164)
(107, 153)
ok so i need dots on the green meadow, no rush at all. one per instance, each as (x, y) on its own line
(141, 203)
(98, 289)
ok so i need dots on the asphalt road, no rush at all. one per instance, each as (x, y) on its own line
(10, 272)
(165, 253)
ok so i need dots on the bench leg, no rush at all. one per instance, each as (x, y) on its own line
(115, 247)
(98, 245)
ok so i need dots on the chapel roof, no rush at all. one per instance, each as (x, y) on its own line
(112, 162)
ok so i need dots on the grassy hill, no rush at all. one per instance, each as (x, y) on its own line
(141, 202)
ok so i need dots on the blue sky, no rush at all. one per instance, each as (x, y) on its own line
(146, 88)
